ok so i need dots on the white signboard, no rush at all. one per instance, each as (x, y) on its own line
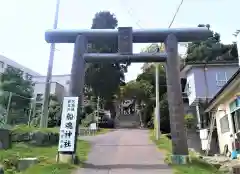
(68, 124)
(93, 126)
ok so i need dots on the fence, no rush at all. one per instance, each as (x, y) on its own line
(14, 109)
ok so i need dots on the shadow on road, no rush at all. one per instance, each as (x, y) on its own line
(123, 145)
(125, 166)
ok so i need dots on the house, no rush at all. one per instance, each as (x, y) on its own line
(203, 81)
(225, 106)
(200, 83)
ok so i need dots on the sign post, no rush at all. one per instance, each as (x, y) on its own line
(68, 128)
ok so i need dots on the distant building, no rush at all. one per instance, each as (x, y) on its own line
(59, 88)
(59, 85)
(8, 63)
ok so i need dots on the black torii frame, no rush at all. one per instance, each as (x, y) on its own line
(170, 37)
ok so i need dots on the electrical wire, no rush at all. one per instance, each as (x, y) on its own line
(175, 15)
(129, 12)
(172, 21)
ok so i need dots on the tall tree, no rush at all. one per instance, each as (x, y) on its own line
(211, 49)
(105, 78)
(141, 91)
(149, 76)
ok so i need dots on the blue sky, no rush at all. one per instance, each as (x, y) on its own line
(25, 22)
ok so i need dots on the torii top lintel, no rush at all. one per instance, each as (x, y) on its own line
(139, 35)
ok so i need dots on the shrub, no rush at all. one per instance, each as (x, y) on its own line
(88, 120)
(106, 123)
(189, 120)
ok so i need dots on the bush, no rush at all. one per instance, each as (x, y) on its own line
(106, 123)
(189, 120)
(11, 162)
(88, 109)
(88, 120)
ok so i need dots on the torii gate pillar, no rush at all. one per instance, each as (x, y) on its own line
(175, 102)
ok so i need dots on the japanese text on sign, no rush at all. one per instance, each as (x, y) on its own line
(68, 124)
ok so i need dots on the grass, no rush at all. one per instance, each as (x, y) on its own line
(25, 129)
(103, 131)
(197, 166)
(46, 155)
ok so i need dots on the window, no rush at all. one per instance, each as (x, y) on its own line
(224, 124)
(188, 89)
(221, 79)
(9, 67)
(39, 97)
(28, 76)
(236, 120)
(1, 64)
(20, 72)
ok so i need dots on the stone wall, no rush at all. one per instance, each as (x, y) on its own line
(37, 138)
(193, 140)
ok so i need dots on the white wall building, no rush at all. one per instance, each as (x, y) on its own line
(8, 63)
(59, 85)
(59, 88)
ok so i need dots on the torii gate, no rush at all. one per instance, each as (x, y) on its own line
(126, 36)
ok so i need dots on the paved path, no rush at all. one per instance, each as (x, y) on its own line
(124, 152)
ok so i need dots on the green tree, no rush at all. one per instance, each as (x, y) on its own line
(21, 90)
(54, 111)
(105, 78)
(139, 90)
(149, 76)
(211, 49)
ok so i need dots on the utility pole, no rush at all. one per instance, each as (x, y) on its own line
(236, 34)
(157, 111)
(157, 104)
(98, 107)
(44, 116)
(8, 107)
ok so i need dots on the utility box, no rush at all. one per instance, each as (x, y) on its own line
(5, 139)
(125, 40)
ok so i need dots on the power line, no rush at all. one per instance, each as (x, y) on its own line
(129, 11)
(172, 21)
(175, 15)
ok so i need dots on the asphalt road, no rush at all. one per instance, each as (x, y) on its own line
(124, 151)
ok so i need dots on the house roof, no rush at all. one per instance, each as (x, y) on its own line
(189, 65)
(231, 81)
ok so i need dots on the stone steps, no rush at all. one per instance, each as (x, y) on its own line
(128, 121)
